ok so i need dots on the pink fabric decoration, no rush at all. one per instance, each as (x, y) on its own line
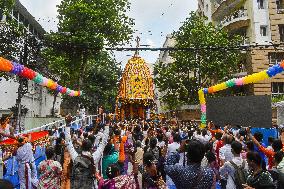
(203, 108)
(239, 82)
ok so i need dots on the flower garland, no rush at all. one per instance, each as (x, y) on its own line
(22, 71)
(136, 85)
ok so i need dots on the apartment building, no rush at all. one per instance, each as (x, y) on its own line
(185, 112)
(22, 16)
(166, 58)
(259, 22)
(37, 100)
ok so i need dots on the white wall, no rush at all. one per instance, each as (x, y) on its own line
(47, 101)
(260, 17)
(35, 122)
(8, 94)
(208, 12)
(166, 58)
(37, 100)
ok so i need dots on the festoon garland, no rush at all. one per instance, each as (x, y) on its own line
(22, 71)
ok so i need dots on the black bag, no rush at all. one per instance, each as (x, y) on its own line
(223, 183)
(280, 182)
(239, 175)
(278, 178)
(83, 172)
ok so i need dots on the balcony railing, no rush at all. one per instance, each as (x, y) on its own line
(280, 8)
(281, 37)
(245, 41)
(218, 2)
(234, 17)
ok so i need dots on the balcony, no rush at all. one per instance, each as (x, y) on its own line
(280, 6)
(225, 8)
(245, 41)
(281, 37)
(236, 20)
(280, 9)
(242, 71)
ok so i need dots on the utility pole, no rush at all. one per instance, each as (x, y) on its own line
(24, 60)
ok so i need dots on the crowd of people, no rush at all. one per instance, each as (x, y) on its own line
(140, 154)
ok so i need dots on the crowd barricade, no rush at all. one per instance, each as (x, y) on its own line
(39, 155)
(61, 124)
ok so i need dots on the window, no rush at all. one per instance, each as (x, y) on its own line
(8, 18)
(15, 14)
(277, 88)
(281, 32)
(275, 58)
(31, 29)
(279, 4)
(1, 15)
(260, 4)
(21, 18)
(206, 7)
(263, 30)
(26, 23)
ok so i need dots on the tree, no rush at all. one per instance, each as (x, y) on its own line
(199, 67)
(17, 44)
(10, 34)
(85, 27)
(75, 51)
(6, 5)
(9, 40)
(100, 84)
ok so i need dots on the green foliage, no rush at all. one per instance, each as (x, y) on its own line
(95, 22)
(86, 26)
(14, 109)
(100, 84)
(277, 98)
(75, 51)
(18, 45)
(198, 68)
(6, 5)
(9, 40)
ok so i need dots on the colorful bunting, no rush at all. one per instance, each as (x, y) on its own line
(253, 78)
(22, 71)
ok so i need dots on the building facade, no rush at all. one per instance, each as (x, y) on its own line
(261, 24)
(37, 101)
(185, 112)
(22, 16)
(166, 58)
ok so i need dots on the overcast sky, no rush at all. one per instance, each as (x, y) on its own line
(160, 17)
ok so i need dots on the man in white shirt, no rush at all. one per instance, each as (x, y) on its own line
(173, 147)
(27, 169)
(96, 156)
(226, 151)
(203, 136)
(228, 171)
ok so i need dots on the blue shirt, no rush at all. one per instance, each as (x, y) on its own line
(262, 155)
(190, 176)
